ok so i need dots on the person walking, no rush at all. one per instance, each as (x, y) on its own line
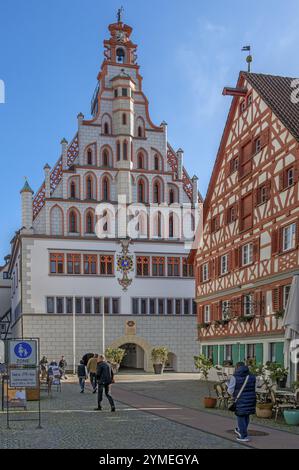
(105, 378)
(92, 370)
(242, 387)
(82, 375)
(62, 366)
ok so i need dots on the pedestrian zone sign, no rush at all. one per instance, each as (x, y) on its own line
(23, 352)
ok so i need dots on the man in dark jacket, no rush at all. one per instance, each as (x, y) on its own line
(245, 404)
(104, 379)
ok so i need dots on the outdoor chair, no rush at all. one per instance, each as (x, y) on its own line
(221, 399)
(280, 404)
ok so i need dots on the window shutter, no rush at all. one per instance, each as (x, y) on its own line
(256, 250)
(281, 181)
(276, 299)
(258, 298)
(274, 241)
(297, 232)
(280, 239)
(237, 258)
(238, 306)
(265, 137)
(201, 273)
(211, 270)
(256, 199)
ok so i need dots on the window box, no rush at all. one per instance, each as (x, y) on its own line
(245, 318)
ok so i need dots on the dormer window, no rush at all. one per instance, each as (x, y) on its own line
(120, 56)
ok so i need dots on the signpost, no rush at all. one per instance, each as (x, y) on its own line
(23, 374)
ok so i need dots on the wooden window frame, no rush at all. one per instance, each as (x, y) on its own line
(172, 263)
(106, 265)
(88, 261)
(159, 262)
(58, 259)
(75, 259)
(141, 262)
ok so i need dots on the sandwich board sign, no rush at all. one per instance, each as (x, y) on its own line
(23, 352)
(23, 378)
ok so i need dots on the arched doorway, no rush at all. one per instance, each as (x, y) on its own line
(134, 357)
(171, 363)
(137, 340)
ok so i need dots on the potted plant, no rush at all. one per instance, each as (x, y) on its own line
(279, 314)
(204, 365)
(264, 404)
(115, 356)
(159, 358)
(278, 374)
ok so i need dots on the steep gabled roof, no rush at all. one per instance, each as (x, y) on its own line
(276, 92)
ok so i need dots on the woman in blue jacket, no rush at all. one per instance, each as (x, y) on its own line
(245, 404)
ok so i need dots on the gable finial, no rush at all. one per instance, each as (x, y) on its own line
(249, 57)
(120, 14)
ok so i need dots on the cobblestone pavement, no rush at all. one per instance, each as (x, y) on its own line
(189, 392)
(69, 421)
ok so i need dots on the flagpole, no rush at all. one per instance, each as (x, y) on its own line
(103, 325)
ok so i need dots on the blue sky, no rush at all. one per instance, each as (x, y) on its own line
(51, 52)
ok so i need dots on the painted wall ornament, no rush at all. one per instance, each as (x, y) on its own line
(125, 264)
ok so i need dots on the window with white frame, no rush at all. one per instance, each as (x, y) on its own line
(247, 254)
(247, 305)
(224, 309)
(289, 237)
(290, 176)
(207, 314)
(205, 272)
(228, 352)
(224, 264)
(286, 293)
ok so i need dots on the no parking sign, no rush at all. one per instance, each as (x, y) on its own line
(23, 352)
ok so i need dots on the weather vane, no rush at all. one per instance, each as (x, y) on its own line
(249, 57)
(119, 14)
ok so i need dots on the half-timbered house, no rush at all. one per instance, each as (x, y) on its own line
(249, 250)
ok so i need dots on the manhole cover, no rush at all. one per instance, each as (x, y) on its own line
(252, 432)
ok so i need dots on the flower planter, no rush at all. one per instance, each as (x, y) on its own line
(209, 402)
(264, 410)
(281, 383)
(158, 368)
(291, 417)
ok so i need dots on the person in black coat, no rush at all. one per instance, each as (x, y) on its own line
(245, 404)
(105, 378)
(82, 375)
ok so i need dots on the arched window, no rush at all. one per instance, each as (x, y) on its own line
(124, 119)
(141, 191)
(105, 226)
(89, 188)
(157, 192)
(171, 196)
(118, 151)
(105, 189)
(158, 225)
(140, 133)
(156, 162)
(89, 157)
(73, 190)
(106, 128)
(125, 150)
(89, 225)
(105, 158)
(140, 161)
(73, 222)
(120, 55)
(171, 231)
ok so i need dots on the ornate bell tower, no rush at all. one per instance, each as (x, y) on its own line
(120, 59)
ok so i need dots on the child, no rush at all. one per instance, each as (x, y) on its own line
(82, 375)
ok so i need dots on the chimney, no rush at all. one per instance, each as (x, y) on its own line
(194, 190)
(47, 169)
(27, 209)
(180, 155)
(64, 144)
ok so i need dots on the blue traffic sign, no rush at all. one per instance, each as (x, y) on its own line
(23, 350)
